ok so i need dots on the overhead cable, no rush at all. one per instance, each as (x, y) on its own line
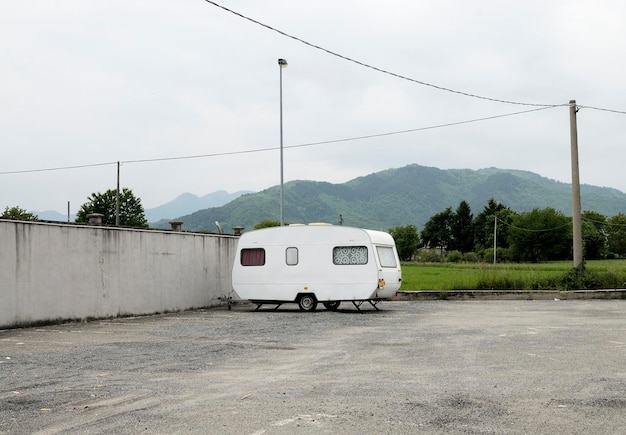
(258, 150)
(621, 112)
(603, 223)
(61, 168)
(349, 59)
(530, 230)
(432, 127)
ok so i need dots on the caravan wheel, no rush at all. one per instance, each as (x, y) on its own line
(307, 302)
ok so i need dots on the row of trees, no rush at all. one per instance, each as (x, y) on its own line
(533, 236)
(131, 211)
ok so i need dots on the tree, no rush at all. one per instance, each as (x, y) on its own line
(18, 213)
(617, 234)
(541, 235)
(407, 240)
(437, 232)
(484, 225)
(594, 235)
(462, 229)
(131, 211)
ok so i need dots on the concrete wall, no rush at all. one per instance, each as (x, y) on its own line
(53, 271)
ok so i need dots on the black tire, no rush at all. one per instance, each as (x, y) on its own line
(307, 302)
(332, 305)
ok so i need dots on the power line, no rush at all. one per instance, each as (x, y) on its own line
(200, 156)
(544, 230)
(604, 223)
(530, 230)
(441, 88)
(607, 224)
(229, 153)
(61, 168)
(363, 64)
(621, 112)
(432, 127)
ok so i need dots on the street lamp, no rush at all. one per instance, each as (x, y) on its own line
(282, 63)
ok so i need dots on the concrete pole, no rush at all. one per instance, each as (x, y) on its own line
(117, 197)
(576, 213)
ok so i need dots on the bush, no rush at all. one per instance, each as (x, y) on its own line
(454, 257)
(584, 279)
(506, 255)
(503, 255)
(577, 279)
(471, 257)
(486, 255)
(429, 256)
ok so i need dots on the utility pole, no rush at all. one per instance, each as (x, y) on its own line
(495, 238)
(282, 63)
(576, 214)
(117, 197)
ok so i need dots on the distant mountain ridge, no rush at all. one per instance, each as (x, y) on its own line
(188, 203)
(408, 195)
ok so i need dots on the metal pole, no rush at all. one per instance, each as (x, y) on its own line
(576, 213)
(117, 197)
(495, 235)
(282, 63)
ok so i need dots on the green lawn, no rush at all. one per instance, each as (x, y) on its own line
(482, 276)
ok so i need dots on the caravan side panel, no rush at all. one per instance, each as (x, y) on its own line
(334, 263)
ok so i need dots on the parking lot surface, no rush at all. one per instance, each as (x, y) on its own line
(471, 367)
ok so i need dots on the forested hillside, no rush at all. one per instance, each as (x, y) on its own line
(408, 195)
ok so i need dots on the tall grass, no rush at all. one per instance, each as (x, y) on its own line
(544, 276)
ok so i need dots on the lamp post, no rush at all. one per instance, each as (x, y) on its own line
(282, 63)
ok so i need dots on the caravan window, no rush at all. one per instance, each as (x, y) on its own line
(350, 255)
(291, 256)
(386, 256)
(252, 257)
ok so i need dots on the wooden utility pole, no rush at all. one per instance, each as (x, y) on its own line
(576, 215)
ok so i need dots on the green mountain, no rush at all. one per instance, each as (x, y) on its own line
(408, 195)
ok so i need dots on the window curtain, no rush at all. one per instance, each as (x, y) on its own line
(253, 257)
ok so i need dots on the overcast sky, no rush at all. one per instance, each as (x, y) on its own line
(95, 82)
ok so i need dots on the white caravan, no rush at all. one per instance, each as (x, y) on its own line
(307, 264)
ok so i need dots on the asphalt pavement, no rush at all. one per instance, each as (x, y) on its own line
(453, 367)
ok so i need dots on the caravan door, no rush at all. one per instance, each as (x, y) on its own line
(389, 271)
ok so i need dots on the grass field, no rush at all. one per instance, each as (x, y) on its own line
(543, 276)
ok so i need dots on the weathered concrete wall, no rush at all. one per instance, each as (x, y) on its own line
(53, 272)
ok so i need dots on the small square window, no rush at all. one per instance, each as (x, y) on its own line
(291, 256)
